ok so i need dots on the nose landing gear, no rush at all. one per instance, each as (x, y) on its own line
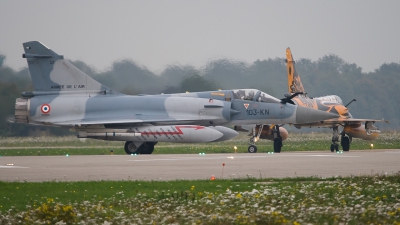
(252, 142)
(276, 138)
(344, 141)
(335, 140)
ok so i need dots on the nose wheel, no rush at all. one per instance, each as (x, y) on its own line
(252, 149)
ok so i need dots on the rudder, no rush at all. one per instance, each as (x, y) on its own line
(50, 72)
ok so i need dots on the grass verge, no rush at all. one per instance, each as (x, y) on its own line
(73, 146)
(352, 200)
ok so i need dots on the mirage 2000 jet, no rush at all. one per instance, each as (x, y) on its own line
(352, 127)
(65, 96)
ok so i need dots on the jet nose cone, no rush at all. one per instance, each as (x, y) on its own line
(309, 115)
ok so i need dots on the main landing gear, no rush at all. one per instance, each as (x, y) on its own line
(277, 139)
(139, 148)
(276, 136)
(344, 141)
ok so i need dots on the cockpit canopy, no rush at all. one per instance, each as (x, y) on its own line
(331, 98)
(254, 95)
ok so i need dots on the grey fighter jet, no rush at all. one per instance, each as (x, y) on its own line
(67, 97)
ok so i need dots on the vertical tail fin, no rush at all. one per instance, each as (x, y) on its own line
(294, 81)
(50, 72)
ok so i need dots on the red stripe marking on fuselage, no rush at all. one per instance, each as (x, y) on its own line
(178, 128)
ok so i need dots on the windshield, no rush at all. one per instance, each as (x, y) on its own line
(264, 97)
(244, 94)
(253, 95)
(338, 99)
(331, 98)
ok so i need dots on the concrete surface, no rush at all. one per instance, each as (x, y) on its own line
(191, 166)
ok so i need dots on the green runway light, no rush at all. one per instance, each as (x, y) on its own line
(67, 155)
(202, 153)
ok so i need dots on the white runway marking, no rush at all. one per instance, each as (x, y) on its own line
(232, 157)
(13, 167)
(346, 156)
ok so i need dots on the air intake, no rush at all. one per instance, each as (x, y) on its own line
(22, 110)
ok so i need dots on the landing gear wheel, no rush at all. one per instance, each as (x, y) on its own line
(345, 142)
(130, 148)
(147, 148)
(277, 144)
(334, 147)
(252, 149)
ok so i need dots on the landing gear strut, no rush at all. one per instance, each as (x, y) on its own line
(252, 142)
(335, 139)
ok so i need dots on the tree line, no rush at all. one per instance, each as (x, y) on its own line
(375, 91)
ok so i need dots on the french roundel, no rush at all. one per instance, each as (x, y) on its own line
(45, 108)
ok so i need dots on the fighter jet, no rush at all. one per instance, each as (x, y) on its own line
(65, 96)
(352, 127)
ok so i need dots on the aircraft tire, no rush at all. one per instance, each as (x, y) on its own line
(130, 148)
(252, 149)
(277, 144)
(147, 148)
(345, 142)
(337, 147)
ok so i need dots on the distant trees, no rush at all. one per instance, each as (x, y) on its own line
(196, 83)
(2, 58)
(375, 91)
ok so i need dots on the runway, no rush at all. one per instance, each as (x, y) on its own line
(191, 166)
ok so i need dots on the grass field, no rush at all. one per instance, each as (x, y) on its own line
(352, 200)
(74, 146)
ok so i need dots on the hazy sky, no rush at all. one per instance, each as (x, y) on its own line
(158, 33)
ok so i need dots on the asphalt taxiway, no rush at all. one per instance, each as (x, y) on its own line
(191, 166)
